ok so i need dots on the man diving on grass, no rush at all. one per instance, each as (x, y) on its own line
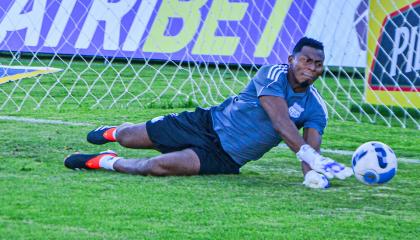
(278, 101)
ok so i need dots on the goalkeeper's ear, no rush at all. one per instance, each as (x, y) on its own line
(291, 60)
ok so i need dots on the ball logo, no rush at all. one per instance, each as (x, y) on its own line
(381, 154)
(359, 156)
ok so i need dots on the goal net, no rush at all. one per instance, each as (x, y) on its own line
(177, 53)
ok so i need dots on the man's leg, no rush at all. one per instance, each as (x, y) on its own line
(179, 163)
(185, 162)
(133, 136)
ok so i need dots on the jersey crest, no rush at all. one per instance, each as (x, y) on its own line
(295, 110)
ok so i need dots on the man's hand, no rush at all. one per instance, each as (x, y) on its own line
(321, 164)
(315, 180)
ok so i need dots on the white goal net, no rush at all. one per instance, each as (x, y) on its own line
(177, 53)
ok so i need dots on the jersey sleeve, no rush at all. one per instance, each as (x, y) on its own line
(319, 116)
(317, 122)
(270, 80)
(319, 112)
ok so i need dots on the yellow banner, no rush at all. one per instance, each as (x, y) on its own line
(393, 56)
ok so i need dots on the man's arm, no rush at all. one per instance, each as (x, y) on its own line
(314, 139)
(277, 110)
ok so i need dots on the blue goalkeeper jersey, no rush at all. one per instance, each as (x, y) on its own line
(243, 126)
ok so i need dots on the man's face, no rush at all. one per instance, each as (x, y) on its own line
(307, 65)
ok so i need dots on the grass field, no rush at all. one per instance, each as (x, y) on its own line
(41, 199)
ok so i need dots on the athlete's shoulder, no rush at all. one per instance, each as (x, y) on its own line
(319, 100)
(272, 72)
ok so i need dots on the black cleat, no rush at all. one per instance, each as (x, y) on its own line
(102, 135)
(79, 161)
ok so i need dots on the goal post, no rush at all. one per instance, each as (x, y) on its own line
(170, 53)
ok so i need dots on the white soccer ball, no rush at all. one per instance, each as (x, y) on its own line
(374, 163)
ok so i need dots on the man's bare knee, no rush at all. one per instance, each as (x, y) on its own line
(124, 134)
(133, 136)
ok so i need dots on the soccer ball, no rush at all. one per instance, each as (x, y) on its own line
(374, 163)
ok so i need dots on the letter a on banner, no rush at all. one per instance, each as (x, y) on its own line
(17, 19)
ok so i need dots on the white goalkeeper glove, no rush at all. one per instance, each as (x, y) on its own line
(321, 164)
(315, 180)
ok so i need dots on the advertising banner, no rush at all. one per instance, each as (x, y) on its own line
(228, 31)
(394, 56)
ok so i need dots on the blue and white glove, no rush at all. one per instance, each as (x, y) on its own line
(321, 164)
(316, 180)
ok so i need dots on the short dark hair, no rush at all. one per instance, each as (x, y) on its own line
(310, 42)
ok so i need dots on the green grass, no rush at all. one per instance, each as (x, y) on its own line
(41, 199)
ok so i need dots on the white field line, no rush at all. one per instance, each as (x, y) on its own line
(60, 122)
(43, 121)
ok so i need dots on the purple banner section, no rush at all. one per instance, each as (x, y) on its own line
(244, 31)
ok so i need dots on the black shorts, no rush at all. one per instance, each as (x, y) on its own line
(194, 130)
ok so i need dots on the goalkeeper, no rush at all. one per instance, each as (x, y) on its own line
(278, 101)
